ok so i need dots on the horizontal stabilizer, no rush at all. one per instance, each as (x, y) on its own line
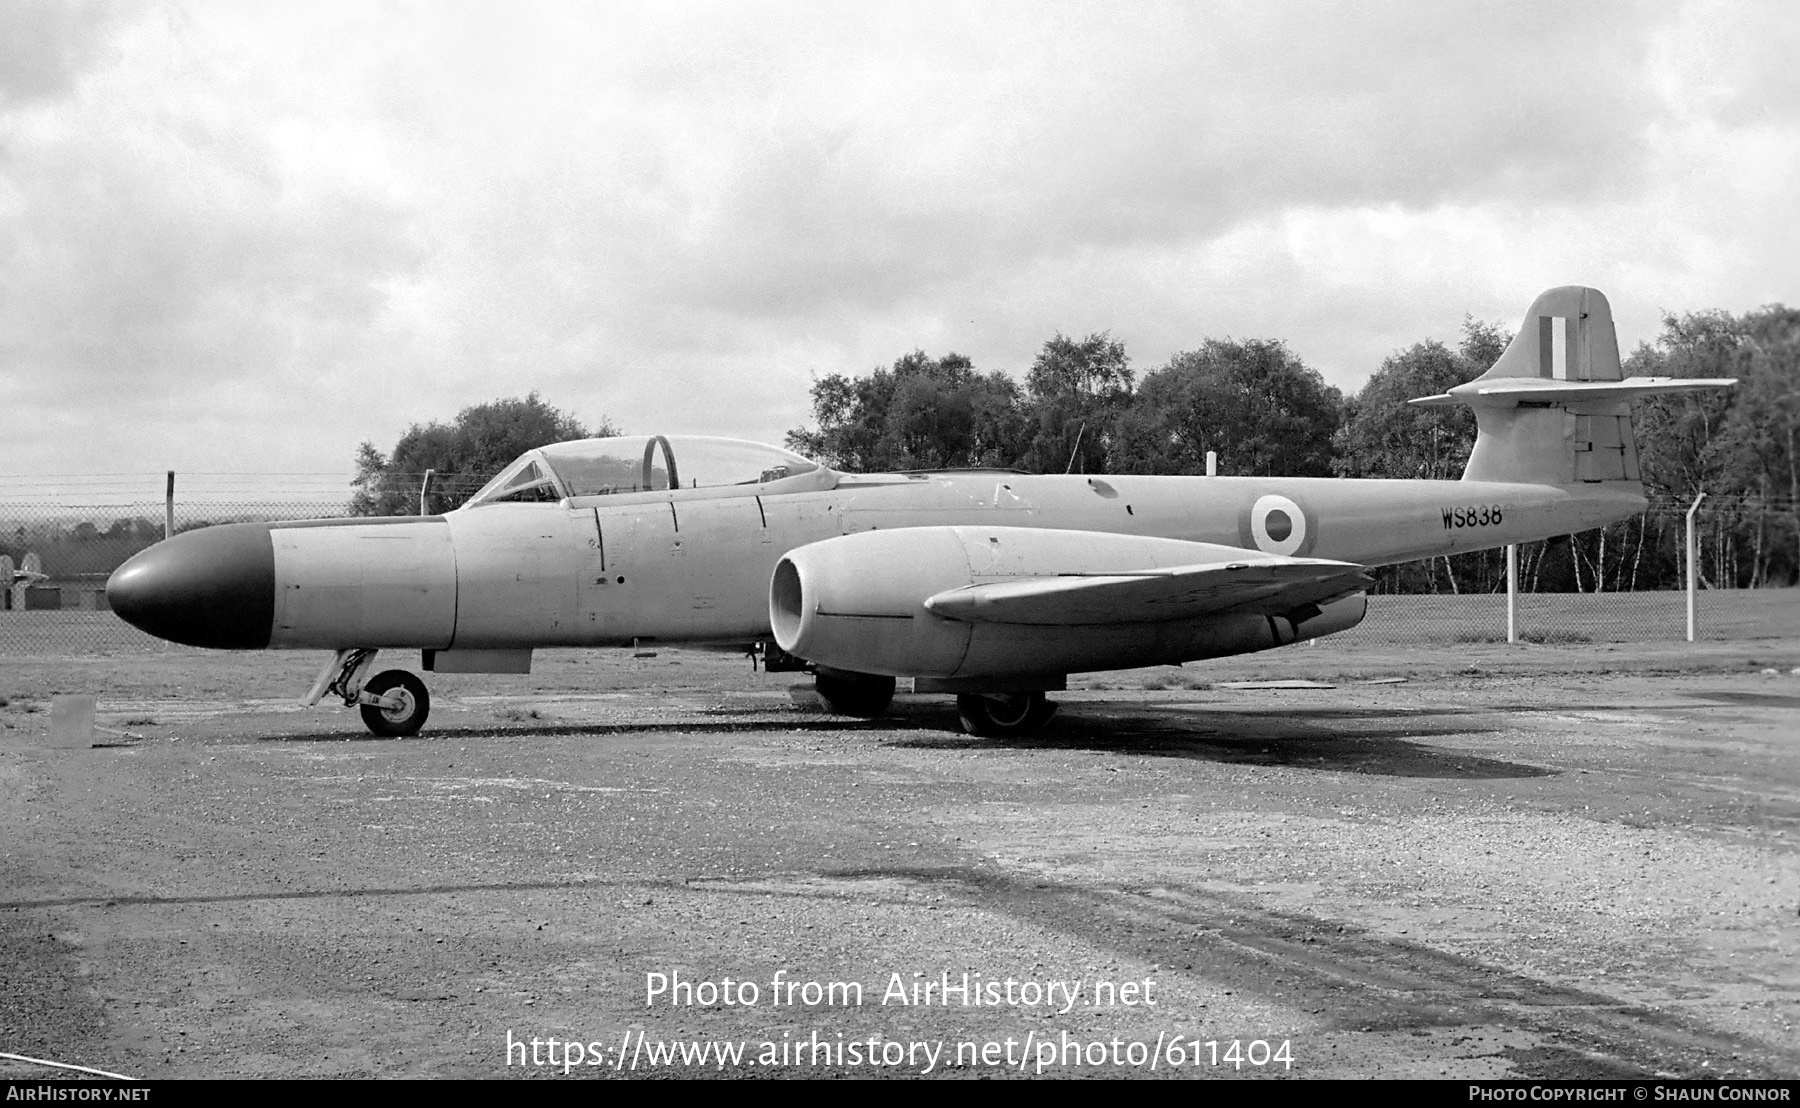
(1555, 409)
(1512, 391)
(1258, 584)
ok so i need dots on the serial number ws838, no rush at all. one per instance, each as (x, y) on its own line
(1475, 515)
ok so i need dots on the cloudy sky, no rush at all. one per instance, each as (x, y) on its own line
(247, 237)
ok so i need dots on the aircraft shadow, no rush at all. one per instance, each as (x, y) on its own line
(1289, 738)
(601, 730)
(1285, 735)
(1750, 699)
(1302, 740)
(697, 883)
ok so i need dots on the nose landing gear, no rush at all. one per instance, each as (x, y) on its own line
(400, 703)
(394, 703)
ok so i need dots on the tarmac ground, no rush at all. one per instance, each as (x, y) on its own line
(1476, 860)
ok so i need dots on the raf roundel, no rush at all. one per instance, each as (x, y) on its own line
(1277, 524)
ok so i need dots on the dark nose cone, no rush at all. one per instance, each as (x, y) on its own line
(210, 587)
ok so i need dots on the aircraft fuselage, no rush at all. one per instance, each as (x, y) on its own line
(694, 565)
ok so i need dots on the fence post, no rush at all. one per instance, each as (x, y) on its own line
(1512, 592)
(1693, 568)
(425, 491)
(169, 507)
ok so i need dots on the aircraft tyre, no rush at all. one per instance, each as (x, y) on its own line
(854, 694)
(405, 719)
(1004, 715)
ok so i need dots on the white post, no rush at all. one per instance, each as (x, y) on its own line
(1693, 568)
(1212, 463)
(425, 490)
(1512, 592)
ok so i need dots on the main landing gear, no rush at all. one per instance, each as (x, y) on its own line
(1004, 715)
(394, 703)
(853, 694)
(991, 715)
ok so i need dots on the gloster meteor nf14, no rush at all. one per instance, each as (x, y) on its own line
(993, 586)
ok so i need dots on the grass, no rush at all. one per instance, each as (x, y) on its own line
(1555, 638)
(1541, 638)
(1175, 679)
(1550, 618)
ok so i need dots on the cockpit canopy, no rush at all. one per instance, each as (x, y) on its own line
(639, 463)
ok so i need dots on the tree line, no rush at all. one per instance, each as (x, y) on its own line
(461, 455)
(1080, 407)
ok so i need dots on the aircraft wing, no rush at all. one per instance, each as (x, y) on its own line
(1260, 583)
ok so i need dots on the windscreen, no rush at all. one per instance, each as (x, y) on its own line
(595, 467)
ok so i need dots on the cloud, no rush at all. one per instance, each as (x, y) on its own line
(272, 232)
(45, 43)
(759, 166)
(168, 260)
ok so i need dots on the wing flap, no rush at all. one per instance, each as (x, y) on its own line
(1260, 583)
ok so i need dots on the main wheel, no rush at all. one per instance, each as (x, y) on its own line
(408, 716)
(1004, 715)
(854, 694)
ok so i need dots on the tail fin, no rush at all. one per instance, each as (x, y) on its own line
(1554, 409)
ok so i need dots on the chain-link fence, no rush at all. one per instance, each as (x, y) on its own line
(56, 559)
(1620, 583)
(1604, 617)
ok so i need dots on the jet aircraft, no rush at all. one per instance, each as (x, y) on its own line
(990, 585)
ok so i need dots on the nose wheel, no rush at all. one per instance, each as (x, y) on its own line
(394, 703)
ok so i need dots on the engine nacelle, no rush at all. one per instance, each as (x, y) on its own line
(857, 603)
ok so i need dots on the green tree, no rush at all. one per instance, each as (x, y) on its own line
(1384, 436)
(1255, 402)
(1763, 436)
(463, 454)
(1482, 344)
(1738, 447)
(1076, 392)
(922, 413)
(1681, 448)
